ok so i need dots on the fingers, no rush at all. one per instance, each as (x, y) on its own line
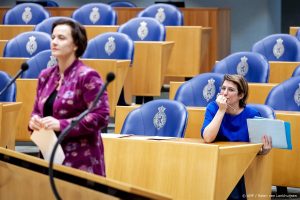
(35, 123)
(51, 123)
(267, 144)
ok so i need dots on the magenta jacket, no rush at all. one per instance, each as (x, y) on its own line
(83, 146)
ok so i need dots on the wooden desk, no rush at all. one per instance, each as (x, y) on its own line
(293, 30)
(188, 57)
(281, 71)
(2, 45)
(186, 168)
(26, 177)
(216, 18)
(149, 67)
(286, 163)
(9, 113)
(10, 31)
(258, 92)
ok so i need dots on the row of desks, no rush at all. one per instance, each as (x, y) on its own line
(216, 18)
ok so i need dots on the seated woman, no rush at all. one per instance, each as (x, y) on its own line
(226, 120)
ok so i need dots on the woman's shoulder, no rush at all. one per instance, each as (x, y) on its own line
(47, 72)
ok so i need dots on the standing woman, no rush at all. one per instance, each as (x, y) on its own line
(66, 90)
(226, 120)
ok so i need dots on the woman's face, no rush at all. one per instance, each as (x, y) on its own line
(62, 45)
(230, 91)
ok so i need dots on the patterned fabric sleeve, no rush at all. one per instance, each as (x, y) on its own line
(90, 85)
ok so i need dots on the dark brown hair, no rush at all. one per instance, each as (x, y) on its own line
(242, 86)
(78, 33)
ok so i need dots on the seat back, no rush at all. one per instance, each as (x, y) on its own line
(166, 14)
(143, 29)
(122, 4)
(253, 66)
(296, 71)
(10, 94)
(111, 45)
(39, 62)
(264, 110)
(25, 14)
(95, 14)
(200, 90)
(286, 95)
(278, 47)
(46, 25)
(27, 44)
(157, 118)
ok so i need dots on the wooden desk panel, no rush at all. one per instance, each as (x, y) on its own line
(20, 169)
(281, 71)
(199, 167)
(293, 30)
(149, 66)
(2, 46)
(258, 92)
(286, 163)
(11, 65)
(9, 113)
(188, 57)
(10, 31)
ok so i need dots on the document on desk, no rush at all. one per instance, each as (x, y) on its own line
(279, 130)
(45, 140)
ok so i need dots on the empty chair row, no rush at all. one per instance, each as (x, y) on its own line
(92, 14)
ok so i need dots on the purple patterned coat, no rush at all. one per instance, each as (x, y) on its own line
(83, 146)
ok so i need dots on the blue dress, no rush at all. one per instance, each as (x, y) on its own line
(233, 128)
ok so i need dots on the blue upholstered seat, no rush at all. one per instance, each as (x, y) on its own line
(39, 62)
(25, 14)
(157, 118)
(278, 47)
(286, 95)
(253, 66)
(166, 14)
(122, 4)
(296, 71)
(10, 94)
(264, 110)
(95, 14)
(200, 90)
(111, 45)
(46, 25)
(27, 44)
(143, 29)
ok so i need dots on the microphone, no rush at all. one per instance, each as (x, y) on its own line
(24, 67)
(109, 78)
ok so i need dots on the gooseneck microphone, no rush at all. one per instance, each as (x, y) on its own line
(24, 67)
(109, 78)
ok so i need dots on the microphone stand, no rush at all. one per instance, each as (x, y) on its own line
(74, 122)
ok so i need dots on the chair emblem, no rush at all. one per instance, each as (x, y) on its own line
(95, 15)
(142, 30)
(297, 96)
(110, 46)
(243, 67)
(160, 15)
(209, 90)
(52, 62)
(160, 118)
(31, 45)
(27, 15)
(278, 49)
